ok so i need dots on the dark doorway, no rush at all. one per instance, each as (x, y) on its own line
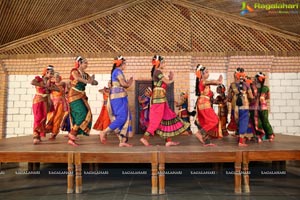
(140, 87)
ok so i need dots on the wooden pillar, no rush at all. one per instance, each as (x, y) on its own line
(34, 166)
(246, 186)
(30, 166)
(78, 169)
(154, 169)
(237, 173)
(161, 173)
(70, 178)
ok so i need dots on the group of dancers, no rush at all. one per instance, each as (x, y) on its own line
(247, 99)
(63, 105)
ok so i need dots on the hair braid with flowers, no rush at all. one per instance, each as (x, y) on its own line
(48, 68)
(118, 61)
(221, 87)
(156, 60)
(78, 61)
(260, 77)
(199, 72)
(240, 75)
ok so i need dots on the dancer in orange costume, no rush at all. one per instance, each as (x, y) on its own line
(103, 120)
(60, 107)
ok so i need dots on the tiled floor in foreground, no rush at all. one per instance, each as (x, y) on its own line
(132, 182)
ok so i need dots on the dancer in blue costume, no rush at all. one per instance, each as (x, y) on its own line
(121, 116)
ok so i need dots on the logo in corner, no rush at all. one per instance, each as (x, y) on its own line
(246, 8)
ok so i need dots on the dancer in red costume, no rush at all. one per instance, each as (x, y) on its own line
(206, 116)
(42, 102)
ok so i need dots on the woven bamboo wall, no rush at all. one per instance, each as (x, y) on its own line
(230, 36)
(156, 26)
(28, 17)
(288, 20)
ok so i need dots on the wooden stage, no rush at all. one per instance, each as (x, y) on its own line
(21, 149)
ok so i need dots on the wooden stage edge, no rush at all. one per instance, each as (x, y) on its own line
(21, 149)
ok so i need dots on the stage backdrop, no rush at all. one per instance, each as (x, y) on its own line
(282, 72)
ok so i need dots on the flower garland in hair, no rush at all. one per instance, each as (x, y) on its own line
(261, 77)
(222, 87)
(240, 73)
(44, 71)
(199, 70)
(148, 89)
(49, 68)
(156, 61)
(118, 61)
(241, 76)
(78, 60)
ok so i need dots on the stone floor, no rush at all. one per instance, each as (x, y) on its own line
(132, 182)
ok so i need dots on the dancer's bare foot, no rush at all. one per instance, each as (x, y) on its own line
(36, 141)
(73, 143)
(171, 143)
(103, 137)
(185, 133)
(52, 137)
(209, 145)
(272, 137)
(145, 142)
(76, 138)
(124, 144)
(225, 133)
(242, 145)
(72, 139)
(259, 140)
(199, 137)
